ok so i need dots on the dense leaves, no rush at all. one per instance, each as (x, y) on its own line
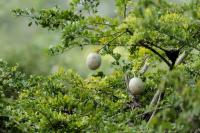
(164, 28)
(65, 102)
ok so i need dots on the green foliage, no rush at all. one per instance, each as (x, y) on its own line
(11, 81)
(163, 28)
(28, 46)
(65, 102)
(52, 19)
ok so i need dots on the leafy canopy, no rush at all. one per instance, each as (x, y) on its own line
(164, 28)
(64, 102)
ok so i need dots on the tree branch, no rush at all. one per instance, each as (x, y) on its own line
(156, 108)
(144, 66)
(155, 98)
(108, 43)
(125, 10)
(106, 24)
(159, 47)
(182, 57)
(142, 43)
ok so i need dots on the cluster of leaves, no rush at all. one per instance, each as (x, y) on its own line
(163, 28)
(64, 102)
(12, 81)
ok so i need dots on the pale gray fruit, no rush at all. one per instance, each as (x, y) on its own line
(136, 86)
(93, 61)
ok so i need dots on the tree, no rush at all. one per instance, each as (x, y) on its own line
(153, 31)
(155, 25)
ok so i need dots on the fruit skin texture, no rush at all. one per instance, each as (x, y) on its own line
(93, 61)
(136, 86)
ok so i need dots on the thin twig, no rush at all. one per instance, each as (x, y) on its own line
(105, 24)
(156, 108)
(144, 65)
(125, 10)
(157, 46)
(149, 111)
(108, 43)
(155, 98)
(127, 79)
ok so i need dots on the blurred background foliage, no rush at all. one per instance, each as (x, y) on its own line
(28, 46)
